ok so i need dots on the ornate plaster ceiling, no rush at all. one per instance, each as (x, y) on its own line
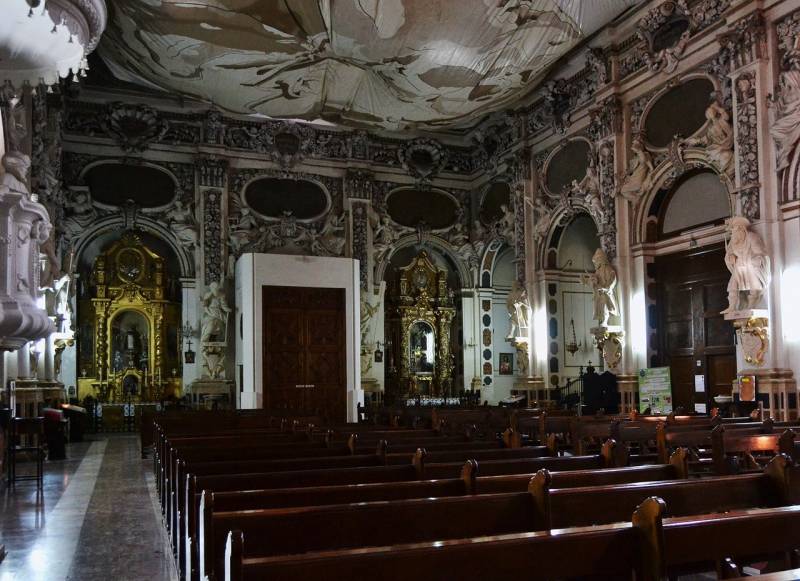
(394, 64)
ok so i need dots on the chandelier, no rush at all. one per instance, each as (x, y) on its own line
(42, 41)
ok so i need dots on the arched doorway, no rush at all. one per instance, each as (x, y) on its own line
(688, 290)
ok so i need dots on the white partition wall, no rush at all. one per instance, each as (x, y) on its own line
(254, 271)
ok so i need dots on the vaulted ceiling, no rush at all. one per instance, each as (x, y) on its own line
(393, 64)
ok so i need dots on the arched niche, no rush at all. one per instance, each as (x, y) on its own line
(113, 183)
(698, 198)
(497, 195)
(173, 268)
(409, 207)
(577, 244)
(272, 198)
(403, 256)
(679, 110)
(567, 163)
(505, 272)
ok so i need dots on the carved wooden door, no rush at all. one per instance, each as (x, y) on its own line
(695, 339)
(304, 350)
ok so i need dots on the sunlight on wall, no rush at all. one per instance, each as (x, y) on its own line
(639, 327)
(790, 307)
(540, 337)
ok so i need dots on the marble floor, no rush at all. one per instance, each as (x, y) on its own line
(96, 519)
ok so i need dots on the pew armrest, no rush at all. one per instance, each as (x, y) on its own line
(234, 552)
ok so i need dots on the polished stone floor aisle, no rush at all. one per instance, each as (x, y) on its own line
(97, 519)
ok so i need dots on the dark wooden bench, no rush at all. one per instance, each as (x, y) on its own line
(469, 483)
(296, 530)
(650, 545)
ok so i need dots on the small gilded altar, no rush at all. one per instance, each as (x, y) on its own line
(128, 343)
(420, 322)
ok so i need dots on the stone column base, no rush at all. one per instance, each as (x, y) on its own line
(208, 392)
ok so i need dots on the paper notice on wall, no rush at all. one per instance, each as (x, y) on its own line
(700, 383)
(700, 408)
(655, 391)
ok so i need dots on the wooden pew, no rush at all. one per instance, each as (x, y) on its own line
(418, 470)
(725, 443)
(649, 545)
(468, 483)
(275, 532)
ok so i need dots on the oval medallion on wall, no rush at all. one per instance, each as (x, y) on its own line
(679, 111)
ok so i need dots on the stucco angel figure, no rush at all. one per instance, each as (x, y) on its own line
(541, 217)
(718, 137)
(215, 315)
(82, 216)
(603, 282)
(243, 231)
(519, 308)
(639, 177)
(332, 234)
(786, 129)
(749, 265)
(505, 225)
(368, 311)
(183, 224)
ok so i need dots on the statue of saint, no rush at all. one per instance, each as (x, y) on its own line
(786, 129)
(603, 282)
(519, 308)
(215, 315)
(748, 263)
(181, 220)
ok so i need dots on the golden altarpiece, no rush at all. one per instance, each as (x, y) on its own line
(420, 320)
(128, 351)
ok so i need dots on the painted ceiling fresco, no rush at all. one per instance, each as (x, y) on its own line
(394, 64)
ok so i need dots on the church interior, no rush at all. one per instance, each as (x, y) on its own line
(357, 289)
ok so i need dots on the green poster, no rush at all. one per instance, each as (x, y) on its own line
(655, 391)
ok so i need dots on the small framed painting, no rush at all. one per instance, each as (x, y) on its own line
(506, 364)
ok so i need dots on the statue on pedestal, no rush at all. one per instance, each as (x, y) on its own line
(749, 265)
(519, 308)
(603, 282)
(215, 315)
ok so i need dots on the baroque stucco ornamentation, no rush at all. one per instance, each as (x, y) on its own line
(747, 145)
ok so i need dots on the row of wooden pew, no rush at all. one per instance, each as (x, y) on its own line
(249, 495)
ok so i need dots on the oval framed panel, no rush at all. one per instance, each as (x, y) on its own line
(568, 163)
(680, 110)
(409, 207)
(272, 198)
(112, 183)
(494, 198)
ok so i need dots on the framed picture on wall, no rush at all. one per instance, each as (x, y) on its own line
(506, 364)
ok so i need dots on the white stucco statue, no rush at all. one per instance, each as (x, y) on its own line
(603, 282)
(638, 179)
(368, 311)
(786, 129)
(82, 214)
(749, 265)
(215, 315)
(182, 223)
(717, 138)
(522, 358)
(15, 172)
(519, 308)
